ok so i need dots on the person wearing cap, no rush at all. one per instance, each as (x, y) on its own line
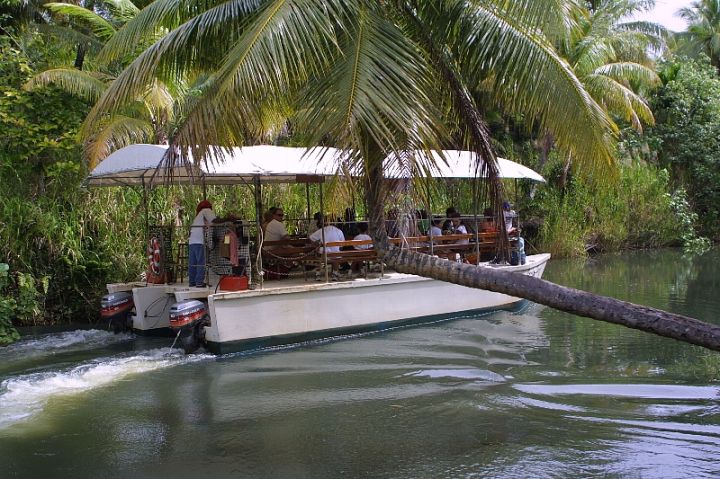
(196, 243)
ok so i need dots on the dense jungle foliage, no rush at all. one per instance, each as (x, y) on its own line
(60, 243)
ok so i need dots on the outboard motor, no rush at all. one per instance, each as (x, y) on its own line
(117, 309)
(189, 317)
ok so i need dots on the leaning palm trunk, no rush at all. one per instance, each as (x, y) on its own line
(566, 299)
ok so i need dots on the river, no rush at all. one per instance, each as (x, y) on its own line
(534, 393)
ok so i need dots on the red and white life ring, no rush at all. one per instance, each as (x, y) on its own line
(154, 255)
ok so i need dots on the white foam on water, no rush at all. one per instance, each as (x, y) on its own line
(465, 374)
(646, 391)
(52, 343)
(23, 397)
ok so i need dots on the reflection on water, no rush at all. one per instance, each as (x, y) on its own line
(533, 394)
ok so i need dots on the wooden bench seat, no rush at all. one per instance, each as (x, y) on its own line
(291, 252)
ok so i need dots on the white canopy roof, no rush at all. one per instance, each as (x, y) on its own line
(138, 165)
(461, 164)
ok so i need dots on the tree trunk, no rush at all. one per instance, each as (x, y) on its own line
(545, 145)
(80, 56)
(566, 299)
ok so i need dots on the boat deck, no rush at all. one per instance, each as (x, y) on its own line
(298, 281)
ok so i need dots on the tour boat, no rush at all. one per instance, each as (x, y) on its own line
(259, 314)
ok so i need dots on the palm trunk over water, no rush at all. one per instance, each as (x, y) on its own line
(581, 303)
(574, 301)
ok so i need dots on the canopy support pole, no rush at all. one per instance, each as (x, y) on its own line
(431, 218)
(307, 204)
(145, 209)
(322, 234)
(257, 191)
(476, 193)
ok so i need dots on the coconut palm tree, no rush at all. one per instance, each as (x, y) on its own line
(149, 118)
(703, 31)
(374, 77)
(610, 56)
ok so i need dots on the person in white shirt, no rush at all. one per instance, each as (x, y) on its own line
(435, 229)
(331, 233)
(196, 243)
(458, 228)
(510, 216)
(275, 229)
(362, 235)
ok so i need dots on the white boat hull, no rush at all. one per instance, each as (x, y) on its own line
(287, 314)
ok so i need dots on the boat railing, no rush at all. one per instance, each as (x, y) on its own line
(472, 247)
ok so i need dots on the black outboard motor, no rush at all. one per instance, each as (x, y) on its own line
(190, 318)
(117, 309)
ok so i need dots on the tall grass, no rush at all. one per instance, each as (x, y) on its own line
(634, 212)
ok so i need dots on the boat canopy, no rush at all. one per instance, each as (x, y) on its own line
(142, 164)
(453, 164)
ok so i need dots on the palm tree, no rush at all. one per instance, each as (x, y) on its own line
(610, 56)
(703, 31)
(149, 118)
(374, 77)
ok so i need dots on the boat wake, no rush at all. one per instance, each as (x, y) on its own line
(23, 397)
(53, 343)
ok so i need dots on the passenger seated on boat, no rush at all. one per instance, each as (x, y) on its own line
(275, 230)
(488, 223)
(458, 227)
(267, 218)
(447, 224)
(204, 215)
(436, 229)
(362, 235)
(331, 234)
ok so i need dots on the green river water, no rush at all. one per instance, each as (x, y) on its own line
(530, 394)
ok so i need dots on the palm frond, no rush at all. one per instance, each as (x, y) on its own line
(173, 55)
(530, 77)
(285, 44)
(620, 100)
(99, 26)
(120, 131)
(122, 10)
(378, 86)
(163, 16)
(629, 72)
(84, 84)
(70, 36)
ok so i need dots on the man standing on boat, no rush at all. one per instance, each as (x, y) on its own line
(196, 243)
(510, 216)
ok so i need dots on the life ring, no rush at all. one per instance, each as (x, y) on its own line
(154, 255)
